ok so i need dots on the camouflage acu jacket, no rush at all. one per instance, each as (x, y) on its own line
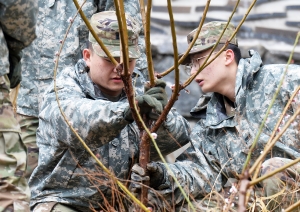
(66, 172)
(220, 143)
(38, 59)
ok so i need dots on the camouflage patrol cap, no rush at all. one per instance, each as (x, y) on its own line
(209, 35)
(105, 24)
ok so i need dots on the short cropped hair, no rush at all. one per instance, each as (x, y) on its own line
(236, 50)
(89, 45)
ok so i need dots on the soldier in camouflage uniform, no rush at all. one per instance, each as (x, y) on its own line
(229, 119)
(91, 94)
(17, 30)
(38, 61)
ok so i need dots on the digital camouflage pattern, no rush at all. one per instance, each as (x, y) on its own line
(106, 26)
(17, 21)
(220, 143)
(209, 35)
(64, 164)
(19, 33)
(38, 61)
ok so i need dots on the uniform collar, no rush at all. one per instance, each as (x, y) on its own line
(247, 69)
(211, 107)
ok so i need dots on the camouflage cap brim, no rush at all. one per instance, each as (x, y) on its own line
(134, 51)
(194, 50)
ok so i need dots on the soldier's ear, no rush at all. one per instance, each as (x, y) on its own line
(86, 53)
(229, 57)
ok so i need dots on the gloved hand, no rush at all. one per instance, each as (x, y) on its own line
(153, 98)
(158, 91)
(146, 103)
(156, 171)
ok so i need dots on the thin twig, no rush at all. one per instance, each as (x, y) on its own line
(175, 50)
(292, 207)
(148, 43)
(124, 36)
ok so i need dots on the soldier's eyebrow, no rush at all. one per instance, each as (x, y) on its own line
(195, 56)
(108, 60)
